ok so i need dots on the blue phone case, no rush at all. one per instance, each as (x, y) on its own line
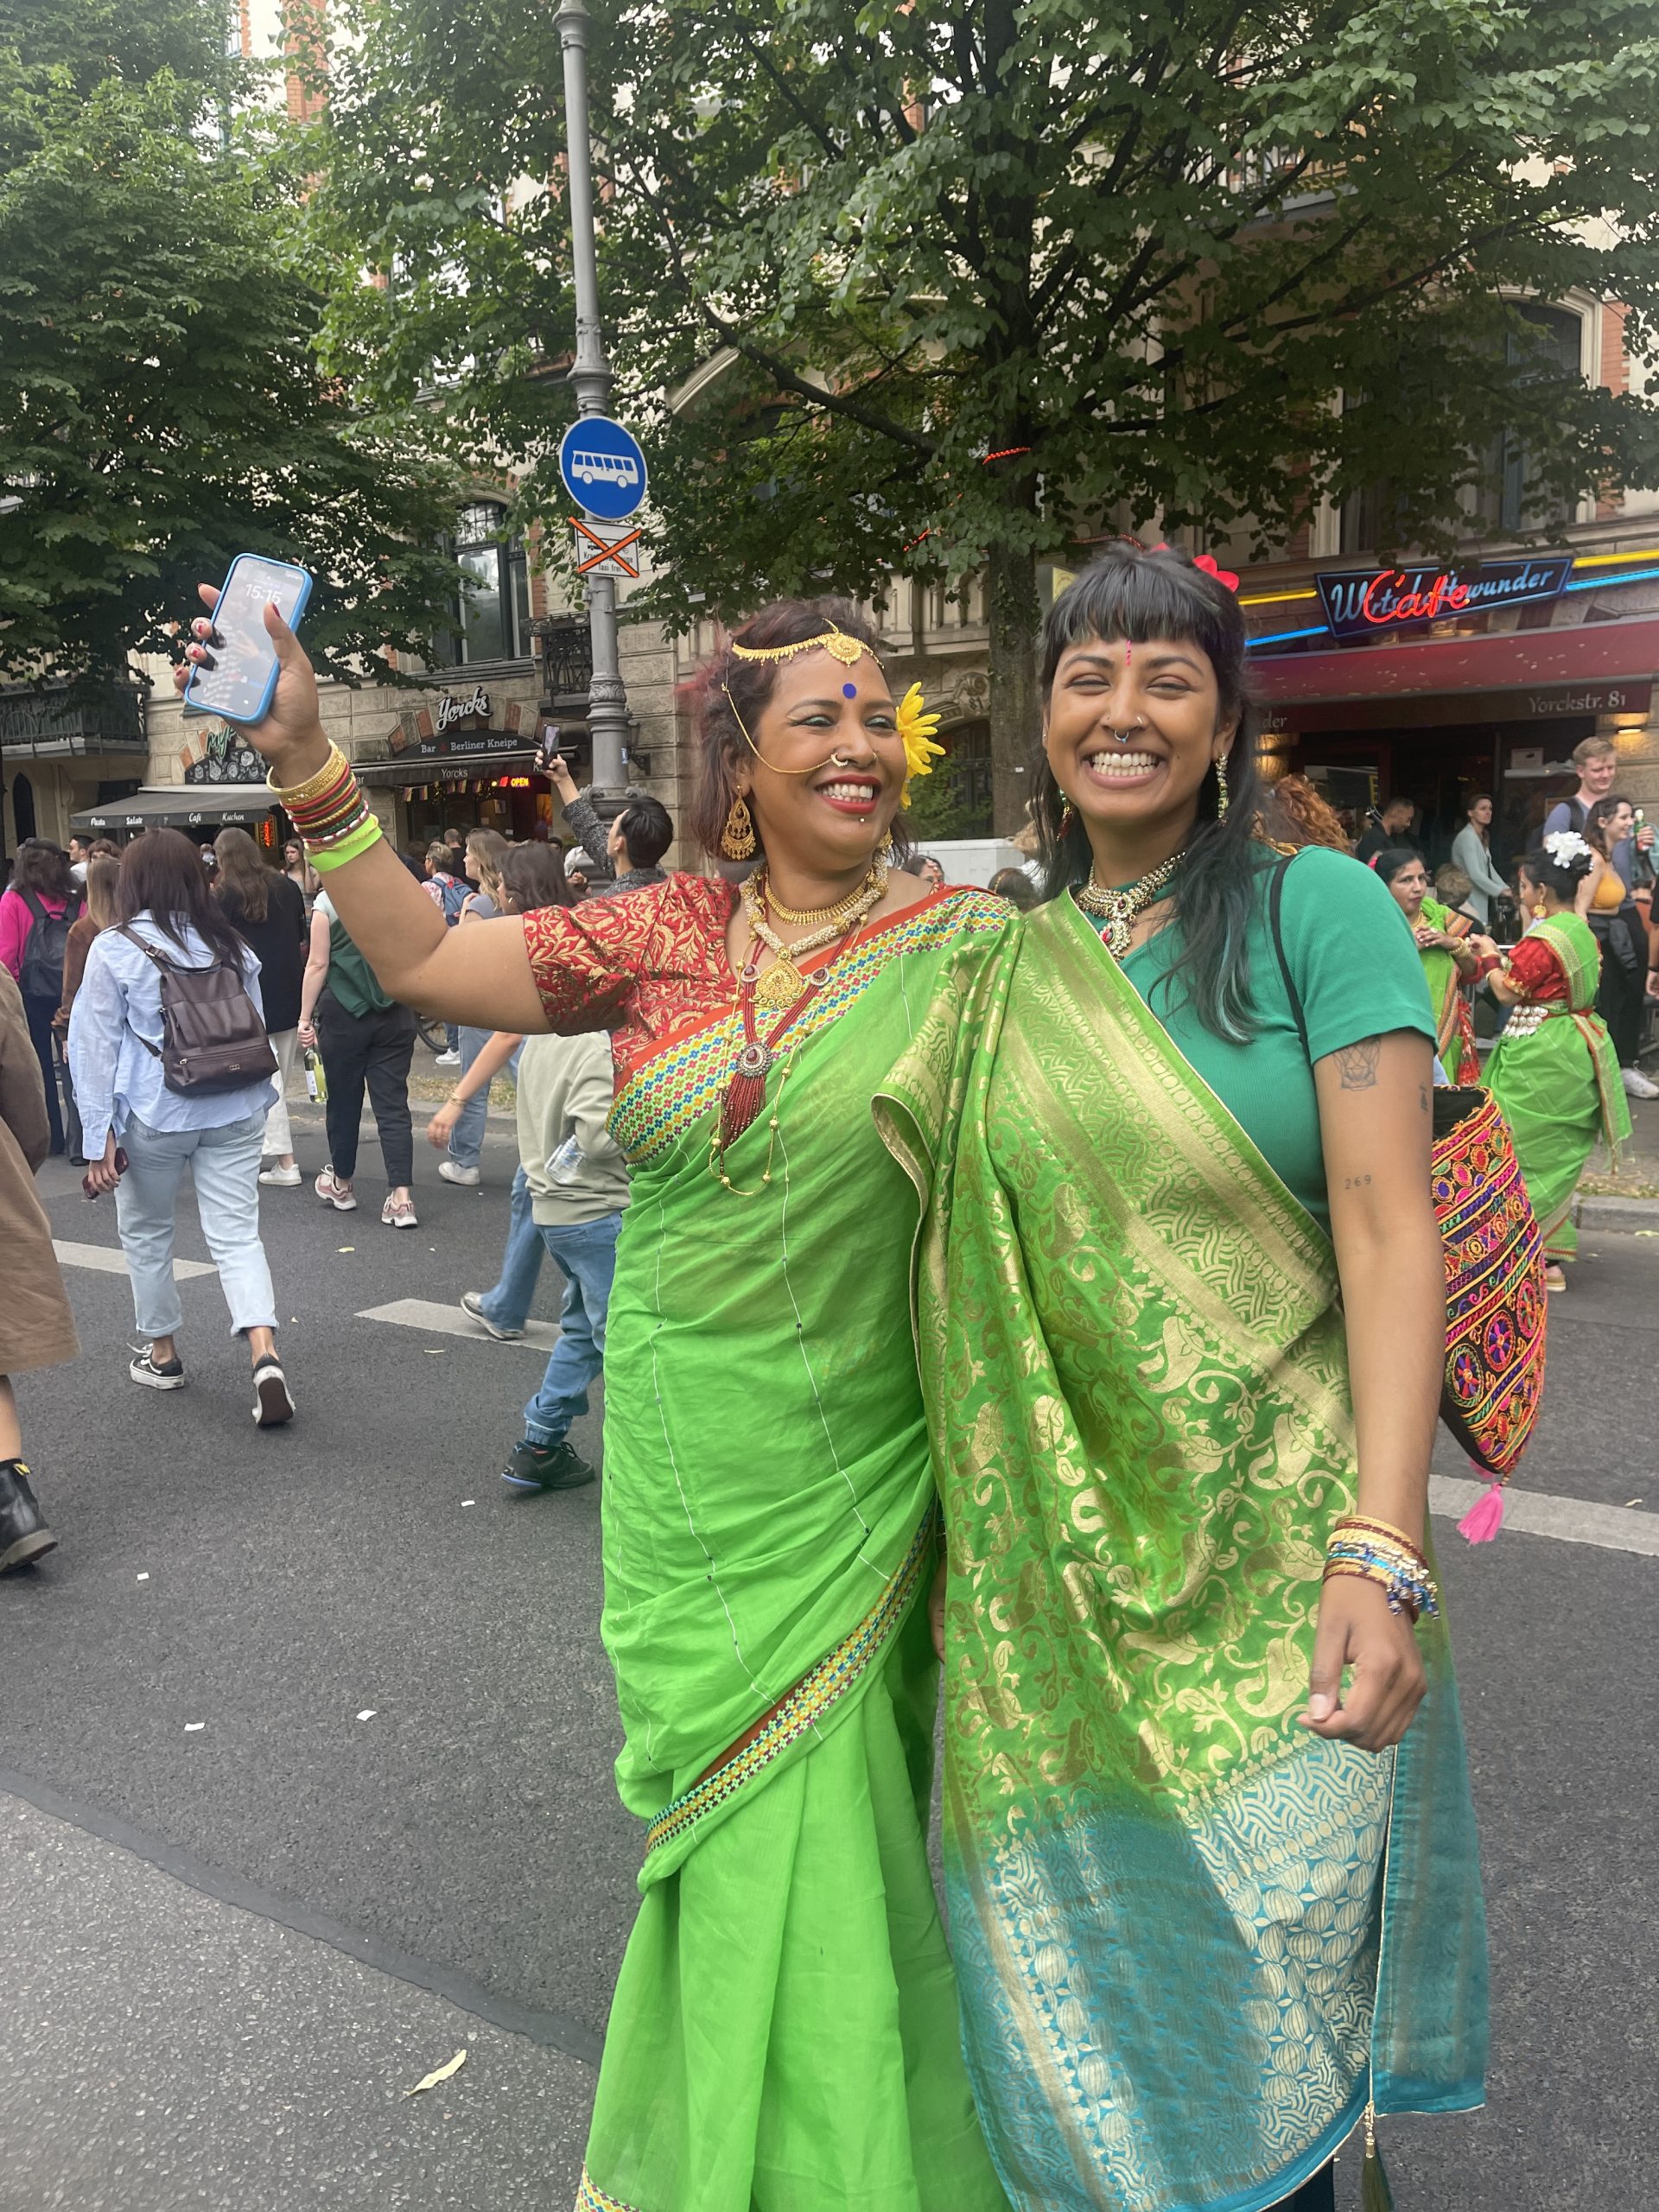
(257, 711)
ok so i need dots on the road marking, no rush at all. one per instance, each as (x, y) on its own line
(112, 1261)
(1541, 1513)
(426, 1315)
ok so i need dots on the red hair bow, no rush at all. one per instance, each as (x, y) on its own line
(1207, 562)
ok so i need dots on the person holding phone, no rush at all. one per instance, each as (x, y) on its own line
(117, 1037)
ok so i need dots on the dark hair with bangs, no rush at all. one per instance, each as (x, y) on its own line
(724, 683)
(1139, 596)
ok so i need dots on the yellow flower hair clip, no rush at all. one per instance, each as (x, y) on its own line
(916, 727)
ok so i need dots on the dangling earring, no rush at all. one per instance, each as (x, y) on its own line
(1221, 790)
(737, 838)
(1068, 816)
(884, 850)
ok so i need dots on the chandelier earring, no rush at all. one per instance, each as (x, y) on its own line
(737, 839)
(1221, 788)
(1068, 816)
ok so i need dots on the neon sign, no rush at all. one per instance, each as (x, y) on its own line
(1361, 605)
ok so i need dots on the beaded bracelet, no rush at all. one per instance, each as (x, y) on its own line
(1397, 1570)
(352, 847)
(1369, 1521)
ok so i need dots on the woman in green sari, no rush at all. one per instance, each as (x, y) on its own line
(1181, 1311)
(784, 2037)
(1554, 1072)
(1452, 956)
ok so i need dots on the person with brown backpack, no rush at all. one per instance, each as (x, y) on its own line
(172, 1066)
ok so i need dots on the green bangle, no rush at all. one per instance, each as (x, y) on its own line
(349, 848)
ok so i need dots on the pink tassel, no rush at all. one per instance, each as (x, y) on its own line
(1481, 1524)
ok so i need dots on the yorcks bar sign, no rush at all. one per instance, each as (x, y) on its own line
(1378, 601)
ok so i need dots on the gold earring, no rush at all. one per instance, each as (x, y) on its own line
(1068, 816)
(1221, 789)
(737, 838)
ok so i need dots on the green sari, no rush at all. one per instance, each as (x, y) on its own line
(1454, 1027)
(784, 2034)
(1189, 1937)
(1554, 1073)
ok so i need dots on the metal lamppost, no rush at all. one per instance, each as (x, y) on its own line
(607, 698)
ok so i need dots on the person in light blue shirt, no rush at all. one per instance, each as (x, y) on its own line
(115, 1043)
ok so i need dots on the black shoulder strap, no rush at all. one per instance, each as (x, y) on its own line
(1275, 919)
(33, 904)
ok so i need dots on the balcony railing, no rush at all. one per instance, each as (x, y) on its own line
(70, 718)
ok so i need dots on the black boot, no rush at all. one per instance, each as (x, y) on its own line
(23, 1536)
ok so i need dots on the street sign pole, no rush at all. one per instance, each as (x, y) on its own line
(607, 698)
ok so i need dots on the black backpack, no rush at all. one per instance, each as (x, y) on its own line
(211, 1036)
(44, 948)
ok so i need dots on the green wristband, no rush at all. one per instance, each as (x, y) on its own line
(349, 848)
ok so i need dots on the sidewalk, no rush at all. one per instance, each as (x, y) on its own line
(159, 2047)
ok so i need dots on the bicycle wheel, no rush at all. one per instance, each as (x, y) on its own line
(431, 1033)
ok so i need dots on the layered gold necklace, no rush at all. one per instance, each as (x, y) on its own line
(1118, 910)
(780, 985)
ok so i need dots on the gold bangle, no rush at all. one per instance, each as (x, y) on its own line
(312, 784)
(1371, 1520)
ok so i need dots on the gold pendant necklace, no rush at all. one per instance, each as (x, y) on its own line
(1119, 909)
(782, 983)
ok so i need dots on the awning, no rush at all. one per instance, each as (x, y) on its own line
(176, 806)
(1521, 660)
(409, 773)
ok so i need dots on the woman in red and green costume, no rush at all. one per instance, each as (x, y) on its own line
(1554, 1072)
(783, 2034)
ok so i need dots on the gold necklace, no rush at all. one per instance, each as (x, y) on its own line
(814, 916)
(1119, 910)
(781, 984)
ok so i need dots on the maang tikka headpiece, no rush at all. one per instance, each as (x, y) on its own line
(834, 642)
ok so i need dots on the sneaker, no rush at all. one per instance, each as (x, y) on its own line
(333, 1192)
(273, 1403)
(547, 1466)
(472, 1302)
(467, 1178)
(23, 1536)
(398, 1214)
(282, 1178)
(157, 1375)
(1639, 1085)
(446, 1060)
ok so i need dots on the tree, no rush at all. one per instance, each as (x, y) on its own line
(952, 287)
(162, 408)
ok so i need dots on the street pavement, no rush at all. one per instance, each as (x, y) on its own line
(305, 1756)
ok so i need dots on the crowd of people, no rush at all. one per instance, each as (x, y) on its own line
(1037, 1286)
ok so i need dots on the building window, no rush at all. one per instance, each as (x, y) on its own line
(1547, 353)
(492, 612)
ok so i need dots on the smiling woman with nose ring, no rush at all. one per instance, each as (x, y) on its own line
(1210, 1857)
(784, 2034)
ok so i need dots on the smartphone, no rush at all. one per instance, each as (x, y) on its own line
(240, 682)
(121, 1165)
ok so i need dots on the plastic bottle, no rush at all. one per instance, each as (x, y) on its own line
(565, 1165)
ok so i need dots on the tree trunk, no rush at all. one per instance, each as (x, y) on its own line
(1013, 620)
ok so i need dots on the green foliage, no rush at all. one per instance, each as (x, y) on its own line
(161, 404)
(957, 285)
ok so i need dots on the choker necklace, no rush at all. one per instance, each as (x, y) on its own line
(1119, 910)
(779, 986)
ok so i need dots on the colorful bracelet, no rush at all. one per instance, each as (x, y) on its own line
(293, 795)
(1369, 1520)
(367, 835)
(1396, 1568)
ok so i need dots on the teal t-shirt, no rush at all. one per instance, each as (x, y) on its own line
(1358, 973)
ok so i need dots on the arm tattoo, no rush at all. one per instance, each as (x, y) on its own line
(1422, 1097)
(1356, 1064)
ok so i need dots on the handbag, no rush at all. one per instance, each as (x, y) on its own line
(1496, 1306)
(211, 1036)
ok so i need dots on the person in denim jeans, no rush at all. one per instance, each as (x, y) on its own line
(578, 1186)
(115, 1042)
(486, 850)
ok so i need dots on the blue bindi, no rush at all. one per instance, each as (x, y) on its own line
(849, 690)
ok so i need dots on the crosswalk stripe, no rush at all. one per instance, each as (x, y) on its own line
(111, 1260)
(449, 1321)
(1544, 1513)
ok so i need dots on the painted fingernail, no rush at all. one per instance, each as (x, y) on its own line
(202, 628)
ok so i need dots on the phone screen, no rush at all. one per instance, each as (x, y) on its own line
(239, 683)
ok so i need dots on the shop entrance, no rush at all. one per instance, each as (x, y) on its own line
(510, 804)
(1526, 766)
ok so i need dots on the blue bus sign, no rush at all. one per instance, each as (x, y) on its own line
(603, 468)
